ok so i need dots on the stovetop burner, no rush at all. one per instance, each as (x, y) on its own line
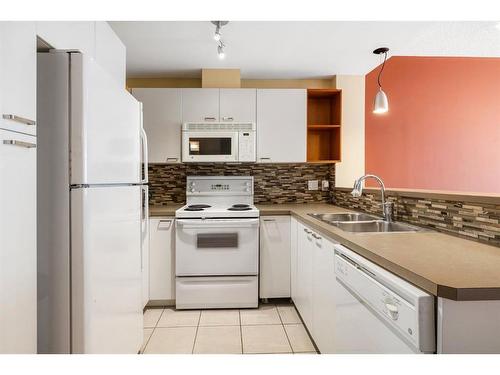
(197, 207)
(239, 208)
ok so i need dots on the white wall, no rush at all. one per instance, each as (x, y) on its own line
(353, 130)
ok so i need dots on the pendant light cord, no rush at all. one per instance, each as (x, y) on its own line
(381, 70)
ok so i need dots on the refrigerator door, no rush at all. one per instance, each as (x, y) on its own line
(105, 127)
(106, 269)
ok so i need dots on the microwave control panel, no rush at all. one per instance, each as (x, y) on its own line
(246, 146)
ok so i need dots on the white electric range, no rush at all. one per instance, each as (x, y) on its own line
(217, 244)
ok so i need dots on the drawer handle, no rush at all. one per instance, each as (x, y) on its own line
(14, 142)
(307, 231)
(316, 236)
(209, 118)
(265, 158)
(20, 119)
(226, 118)
(172, 159)
(269, 220)
(161, 224)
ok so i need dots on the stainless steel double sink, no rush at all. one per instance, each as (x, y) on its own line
(363, 223)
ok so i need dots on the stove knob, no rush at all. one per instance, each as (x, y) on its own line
(191, 190)
(247, 190)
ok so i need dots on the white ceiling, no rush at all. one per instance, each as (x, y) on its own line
(287, 50)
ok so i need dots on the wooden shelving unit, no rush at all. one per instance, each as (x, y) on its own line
(324, 119)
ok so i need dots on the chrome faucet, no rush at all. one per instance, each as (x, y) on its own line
(387, 207)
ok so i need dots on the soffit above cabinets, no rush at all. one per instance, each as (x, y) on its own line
(291, 50)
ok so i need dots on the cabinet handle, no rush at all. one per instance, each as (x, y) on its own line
(209, 118)
(172, 159)
(270, 220)
(307, 231)
(13, 142)
(265, 158)
(316, 236)
(228, 118)
(20, 119)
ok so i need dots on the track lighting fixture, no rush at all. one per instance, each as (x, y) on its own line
(218, 38)
(381, 104)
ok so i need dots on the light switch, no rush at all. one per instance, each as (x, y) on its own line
(312, 185)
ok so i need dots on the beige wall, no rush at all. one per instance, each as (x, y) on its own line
(353, 130)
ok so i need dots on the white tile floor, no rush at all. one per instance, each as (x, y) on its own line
(271, 329)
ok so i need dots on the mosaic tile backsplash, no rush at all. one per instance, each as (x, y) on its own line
(273, 183)
(476, 221)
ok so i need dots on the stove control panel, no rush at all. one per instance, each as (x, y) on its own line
(219, 185)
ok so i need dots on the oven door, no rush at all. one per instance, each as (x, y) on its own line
(209, 146)
(217, 247)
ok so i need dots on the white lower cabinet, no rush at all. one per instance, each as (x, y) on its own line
(274, 257)
(303, 300)
(293, 257)
(313, 281)
(323, 298)
(161, 258)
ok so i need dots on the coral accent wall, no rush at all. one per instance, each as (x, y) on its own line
(442, 131)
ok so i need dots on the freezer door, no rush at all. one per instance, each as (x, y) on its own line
(105, 127)
(106, 269)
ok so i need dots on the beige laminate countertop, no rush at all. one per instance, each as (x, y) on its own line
(441, 264)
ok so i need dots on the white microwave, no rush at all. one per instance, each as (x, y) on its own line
(218, 142)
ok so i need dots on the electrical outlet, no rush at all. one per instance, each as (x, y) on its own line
(312, 185)
(325, 184)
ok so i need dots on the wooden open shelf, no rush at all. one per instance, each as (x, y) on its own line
(324, 119)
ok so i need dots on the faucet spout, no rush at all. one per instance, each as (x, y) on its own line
(387, 207)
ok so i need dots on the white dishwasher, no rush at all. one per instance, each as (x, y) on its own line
(378, 312)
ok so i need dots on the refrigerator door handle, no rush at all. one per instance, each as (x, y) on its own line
(145, 162)
(144, 218)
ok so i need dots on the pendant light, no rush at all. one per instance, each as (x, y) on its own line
(218, 38)
(381, 104)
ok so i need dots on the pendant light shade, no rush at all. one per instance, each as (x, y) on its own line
(380, 104)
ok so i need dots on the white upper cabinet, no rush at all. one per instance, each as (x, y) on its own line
(110, 52)
(281, 125)
(162, 118)
(238, 105)
(200, 105)
(18, 76)
(72, 35)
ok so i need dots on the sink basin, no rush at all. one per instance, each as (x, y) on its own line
(375, 226)
(348, 216)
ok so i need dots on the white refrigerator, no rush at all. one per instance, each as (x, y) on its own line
(92, 208)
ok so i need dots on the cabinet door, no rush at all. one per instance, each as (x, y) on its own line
(238, 105)
(293, 258)
(200, 105)
(162, 117)
(281, 125)
(275, 257)
(18, 76)
(323, 328)
(304, 274)
(18, 256)
(110, 52)
(161, 258)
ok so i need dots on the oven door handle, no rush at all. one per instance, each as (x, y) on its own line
(210, 223)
